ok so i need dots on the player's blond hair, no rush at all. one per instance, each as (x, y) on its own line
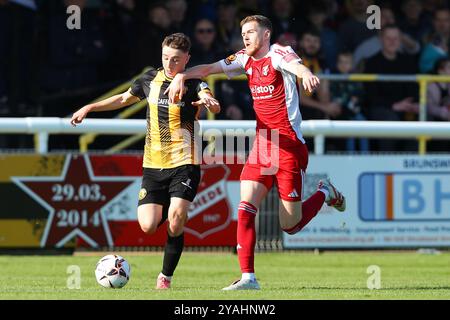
(261, 20)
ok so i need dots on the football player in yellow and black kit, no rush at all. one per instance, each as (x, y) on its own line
(171, 172)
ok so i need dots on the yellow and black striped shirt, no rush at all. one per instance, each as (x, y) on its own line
(171, 128)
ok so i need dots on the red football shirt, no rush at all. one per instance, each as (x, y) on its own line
(275, 91)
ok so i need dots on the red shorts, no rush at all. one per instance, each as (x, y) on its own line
(285, 165)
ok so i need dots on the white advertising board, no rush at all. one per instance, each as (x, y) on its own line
(392, 201)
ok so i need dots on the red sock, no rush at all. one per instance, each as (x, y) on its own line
(310, 208)
(246, 236)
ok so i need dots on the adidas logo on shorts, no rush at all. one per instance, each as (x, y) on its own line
(293, 194)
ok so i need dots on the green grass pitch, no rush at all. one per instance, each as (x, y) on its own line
(200, 276)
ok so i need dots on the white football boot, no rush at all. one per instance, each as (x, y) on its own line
(243, 284)
(335, 197)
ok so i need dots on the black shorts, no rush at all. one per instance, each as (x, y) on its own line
(159, 185)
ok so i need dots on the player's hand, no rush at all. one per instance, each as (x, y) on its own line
(310, 81)
(176, 88)
(209, 103)
(79, 116)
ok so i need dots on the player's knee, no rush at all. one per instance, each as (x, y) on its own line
(288, 222)
(149, 227)
(176, 228)
(177, 220)
(291, 224)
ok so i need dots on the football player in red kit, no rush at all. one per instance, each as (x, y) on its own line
(279, 154)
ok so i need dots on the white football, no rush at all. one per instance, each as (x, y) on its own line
(112, 271)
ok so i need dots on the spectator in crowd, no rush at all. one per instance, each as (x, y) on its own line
(336, 13)
(437, 42)
(4, 45)
(80, 59)
(316, 105)
(74, 55)
(205, 48)
(438, 103)
(18, 65)
(283, 19)
(372, 45)
(349, 95)
(200, 9)
(317, 15)
(391, 101)
(157, 26)
(4, 41)
(414, 23)
(429, 7)
(288, 39)
(438, 94)
(353, 30)
(177, 11)
(251, 7)
(228, 24)
(18, 33)
(120, 23)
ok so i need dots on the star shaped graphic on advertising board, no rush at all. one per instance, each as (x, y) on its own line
(75, 201)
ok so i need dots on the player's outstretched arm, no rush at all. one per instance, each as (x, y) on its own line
(176, 87)
(112, 103)
(309, 80)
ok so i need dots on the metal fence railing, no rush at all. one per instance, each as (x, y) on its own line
(319, 129)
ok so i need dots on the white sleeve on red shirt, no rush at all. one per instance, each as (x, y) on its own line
(234, 64)
(282, 56)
